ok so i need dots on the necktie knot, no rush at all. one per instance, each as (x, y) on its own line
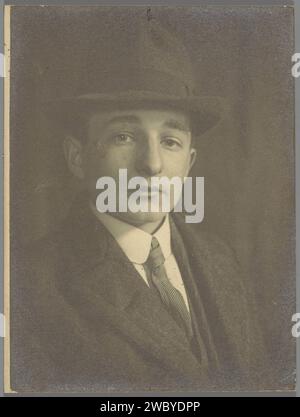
(156, 257)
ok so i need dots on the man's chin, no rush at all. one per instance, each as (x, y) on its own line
(139, 219)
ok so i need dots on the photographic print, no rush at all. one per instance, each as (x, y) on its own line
(149, 199)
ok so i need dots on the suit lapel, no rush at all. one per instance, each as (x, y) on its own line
(222, 293)
(107, 287)
(202, 335)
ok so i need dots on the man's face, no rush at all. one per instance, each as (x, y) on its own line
(148, 143)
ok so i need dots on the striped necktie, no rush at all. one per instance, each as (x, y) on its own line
(170, 296)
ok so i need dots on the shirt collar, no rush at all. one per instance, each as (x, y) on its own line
(135, 242)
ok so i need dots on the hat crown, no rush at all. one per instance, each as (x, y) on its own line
(144, 57)
(136, 54)
(110, 59)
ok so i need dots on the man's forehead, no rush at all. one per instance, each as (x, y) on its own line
(175, 119)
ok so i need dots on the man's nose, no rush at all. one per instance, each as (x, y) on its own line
(149, 159)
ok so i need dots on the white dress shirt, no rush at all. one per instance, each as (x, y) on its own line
(136, 244)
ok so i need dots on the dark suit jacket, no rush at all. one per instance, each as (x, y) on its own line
(83, 320)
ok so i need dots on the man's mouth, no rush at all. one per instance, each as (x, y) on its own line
(150, 190)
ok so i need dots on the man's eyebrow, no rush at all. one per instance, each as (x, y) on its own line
(170, 123)
(176, 124)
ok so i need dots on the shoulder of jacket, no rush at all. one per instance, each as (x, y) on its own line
(209, 247)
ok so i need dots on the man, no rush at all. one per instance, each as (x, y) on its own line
(132, 301)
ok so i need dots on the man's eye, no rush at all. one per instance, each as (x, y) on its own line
(171, 143)
(123, 138)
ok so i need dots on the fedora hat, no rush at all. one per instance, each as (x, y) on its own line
(133, 65)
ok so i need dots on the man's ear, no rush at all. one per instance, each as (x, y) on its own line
(73, 154)
(193, 156)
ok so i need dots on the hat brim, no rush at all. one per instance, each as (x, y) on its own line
(206, 111)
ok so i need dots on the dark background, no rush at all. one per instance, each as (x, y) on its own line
(240, 53)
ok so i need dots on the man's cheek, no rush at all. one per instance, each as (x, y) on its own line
(176, 167)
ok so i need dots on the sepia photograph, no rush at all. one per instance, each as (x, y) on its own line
(149, 199)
